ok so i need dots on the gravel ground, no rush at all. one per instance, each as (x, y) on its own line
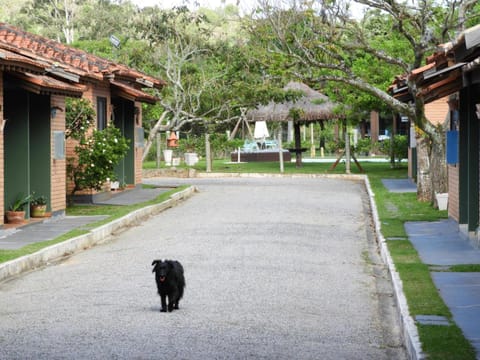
(276, 268)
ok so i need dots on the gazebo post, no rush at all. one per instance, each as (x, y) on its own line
(298, 144)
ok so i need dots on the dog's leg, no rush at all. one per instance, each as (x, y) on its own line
(173, 301)
(164, 303)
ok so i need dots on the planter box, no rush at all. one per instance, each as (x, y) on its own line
(265, 155)
(167, 155)
(191, 159)
(38, 210)
(15, 217)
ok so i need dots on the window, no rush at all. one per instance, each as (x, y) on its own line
(101, 113)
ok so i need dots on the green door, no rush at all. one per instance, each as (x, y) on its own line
(124, 119)
(16, 146)
(26, 144)
(40, 146)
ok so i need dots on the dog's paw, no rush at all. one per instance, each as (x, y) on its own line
(163, 310)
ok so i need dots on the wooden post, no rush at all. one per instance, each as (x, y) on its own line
(280, 150)
(159, 149)
(208, 155)
(312, 142)
(298, 145)
(347, 148)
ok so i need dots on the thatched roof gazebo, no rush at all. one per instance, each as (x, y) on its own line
(311, 107)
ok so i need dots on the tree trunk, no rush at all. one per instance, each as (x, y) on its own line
(438, 164)
(431, 166)
(298, 145)
(208, 153)
(153, 133)
(424, 183)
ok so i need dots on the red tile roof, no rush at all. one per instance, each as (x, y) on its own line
(444, 71)
(133, 94)
(38, 54)
(41, 84)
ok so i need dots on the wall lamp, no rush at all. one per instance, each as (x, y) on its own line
(53, 111)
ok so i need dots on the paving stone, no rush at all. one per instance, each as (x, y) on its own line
(432, 320)
(400, 185)
(461, 293)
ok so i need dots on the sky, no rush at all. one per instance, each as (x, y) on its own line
(212, 4)
(243, 5)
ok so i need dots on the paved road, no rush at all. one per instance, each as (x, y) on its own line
(276, 268)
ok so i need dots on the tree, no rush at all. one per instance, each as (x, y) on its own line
(320, 42)
(210, 73)
(54, 18)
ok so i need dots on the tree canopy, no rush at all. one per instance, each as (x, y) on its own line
(218, 61)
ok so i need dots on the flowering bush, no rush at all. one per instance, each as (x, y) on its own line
(97, 153)
(79, 117)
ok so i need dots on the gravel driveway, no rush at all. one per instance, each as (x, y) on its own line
(276, 268)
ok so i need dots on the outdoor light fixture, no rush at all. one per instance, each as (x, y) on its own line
(114, 41)
(53, 111)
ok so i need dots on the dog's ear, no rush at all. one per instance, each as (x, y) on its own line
(155, 262)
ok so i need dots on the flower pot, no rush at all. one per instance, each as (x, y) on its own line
(114, 185)
(442, 200)
(191, 158)
(176, 161)
(15, 217)
(38, 210)
(167, 154)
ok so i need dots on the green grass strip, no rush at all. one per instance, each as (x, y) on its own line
(423, 298)
(113, 212)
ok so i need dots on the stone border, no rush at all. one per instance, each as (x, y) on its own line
(410, 331)
(95, 236)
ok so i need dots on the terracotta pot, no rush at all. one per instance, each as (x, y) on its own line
(38, 210)
(15, 217)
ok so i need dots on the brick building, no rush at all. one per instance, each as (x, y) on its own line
(36, 75)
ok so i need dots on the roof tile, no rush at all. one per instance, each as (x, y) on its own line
(71, 59)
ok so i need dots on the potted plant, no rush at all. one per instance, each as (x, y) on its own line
(16, 210)
(38, 205)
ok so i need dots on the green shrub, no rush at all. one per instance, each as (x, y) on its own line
(400, 147)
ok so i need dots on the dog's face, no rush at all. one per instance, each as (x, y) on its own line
(161, 269)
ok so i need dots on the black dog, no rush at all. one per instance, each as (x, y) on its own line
(170, 282)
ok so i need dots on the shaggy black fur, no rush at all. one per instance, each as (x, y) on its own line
(170, 282)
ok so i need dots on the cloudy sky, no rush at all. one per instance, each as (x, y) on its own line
(169, 3)
(243, 5)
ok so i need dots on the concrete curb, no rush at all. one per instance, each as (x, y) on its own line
(409, 329)
(95, 236)
(274, 175)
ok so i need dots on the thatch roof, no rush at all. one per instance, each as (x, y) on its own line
(314, 106)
